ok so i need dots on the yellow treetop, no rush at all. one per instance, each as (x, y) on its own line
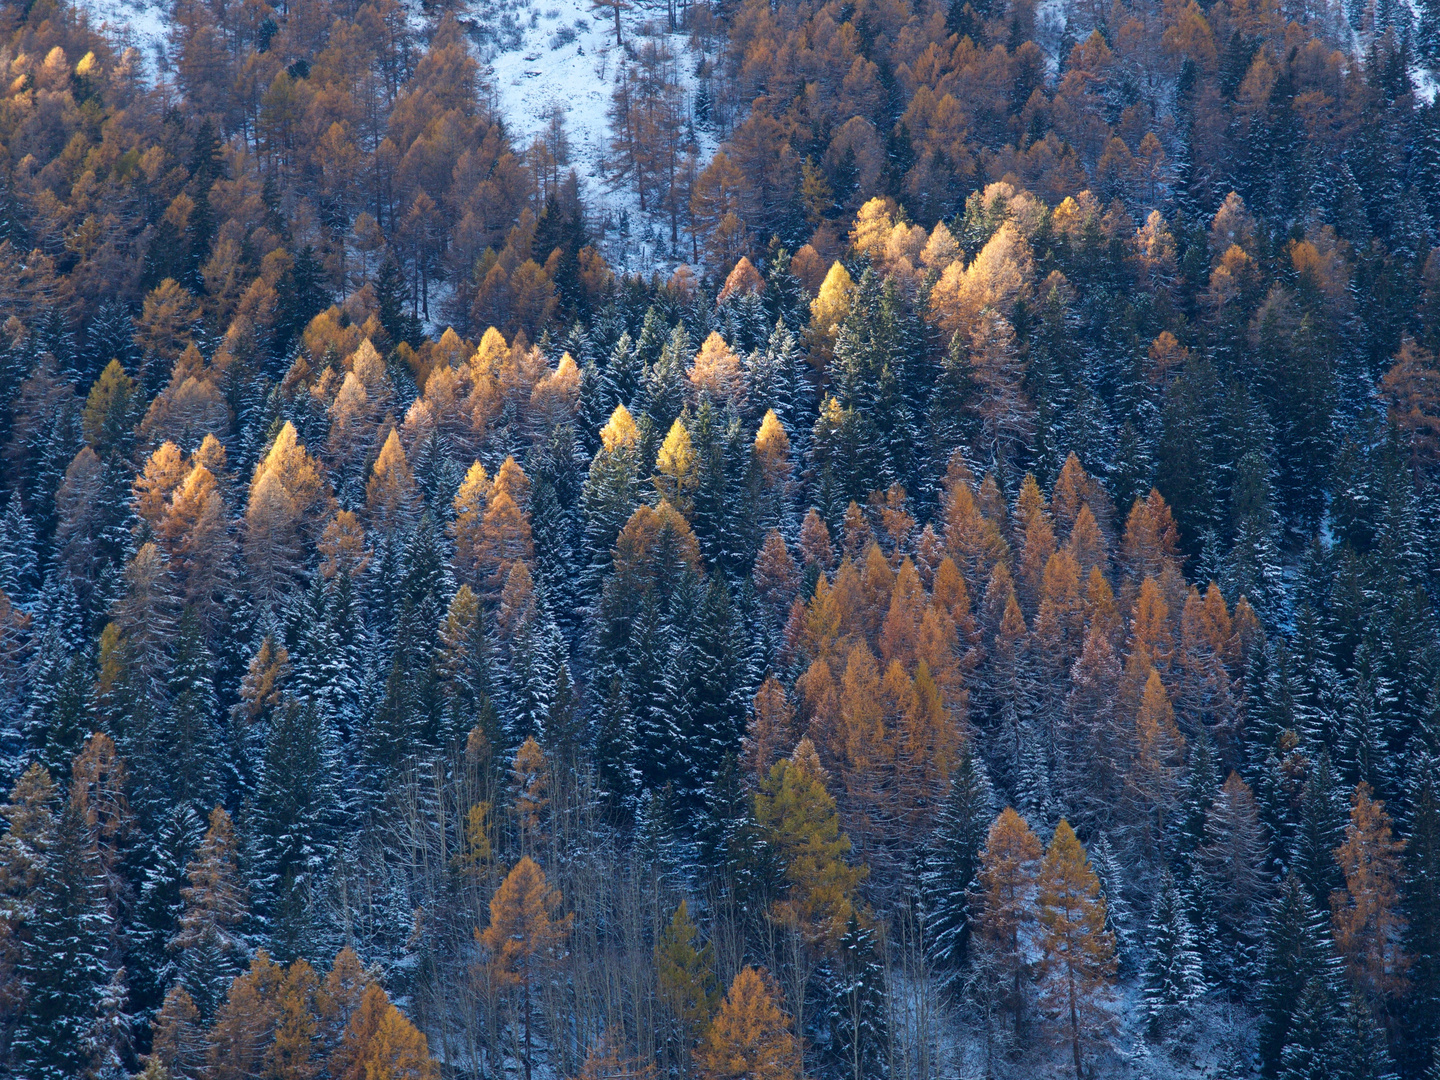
(526, 927)
(833, 302)
(380, 1043)
(163, 473)
(390, 494)
(750, 1038)
(491, 355)
(772, 448)
(799, 818)
(716, 370)
(620, 432)
(675, 465)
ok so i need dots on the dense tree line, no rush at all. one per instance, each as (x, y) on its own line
(978, 614)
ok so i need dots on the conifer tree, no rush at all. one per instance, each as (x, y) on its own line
(1006, 886)
(19, 561)
(684, 971)
(297, 815)
(1299, 958)
(209, 942)
(525, 934)
(1173, 977)
(159, 902)
(750, 1038)
(1077, 952)
(859, 1033)
(189, 738)
(67, 963)
(380, 1041)
(1231, 866)
(1322, 830)
(1369, 924)
(952, 862)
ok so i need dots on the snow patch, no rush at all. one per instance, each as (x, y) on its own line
(141, 24)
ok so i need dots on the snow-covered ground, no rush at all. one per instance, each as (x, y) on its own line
(549, 56)
(143, 24)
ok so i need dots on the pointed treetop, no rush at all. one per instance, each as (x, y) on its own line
(744, 280)
(620, 432)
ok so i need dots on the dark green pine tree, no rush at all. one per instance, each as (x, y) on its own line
(775, 379)
(19, 562)
(655, 683)
(952, 858)
(613, 741)
(160, 870)
(1368, 719)
(1422, 910)
(556, 498)
(388, 744)
(390, 295)
(1186, 471)
(1323, 816)
(1119, 918)
(1055, 352)
(1361, 1051)
(537, 653)
(1298, 982)
(110, 336)
(1252, 568)
(662, 390)
(315, 657)
(620, 382)
(856, 1010)
(1311, 1049)
(784, 295)
(189, 741)
(302, 296)
(952, 422)
(1202, 783)
(720, 688)
(58, 716)
(1174, 981)
(610, 495)
(725, 512)
(870, 375)
(297, 821)
(67, 963)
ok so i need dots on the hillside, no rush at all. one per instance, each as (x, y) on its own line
(860, 541)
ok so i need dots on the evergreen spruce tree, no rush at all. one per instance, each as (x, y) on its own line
(1422, 910)
(160, 872)
(1173, 978)
(952, 859)
(858, 1037)
(67, 963)
(720, 691)
(1310, 1051)
(297, 822)
(1119, 918)
(189, 739)
(1323, 816)
(19, 560)
(1298, 980)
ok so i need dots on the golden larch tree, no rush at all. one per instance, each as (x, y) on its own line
(1007, 884)
(1366, 914)
(1077, 951)
(750, 1038)
(526, 934)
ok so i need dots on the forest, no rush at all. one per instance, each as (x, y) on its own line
(920, 560)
